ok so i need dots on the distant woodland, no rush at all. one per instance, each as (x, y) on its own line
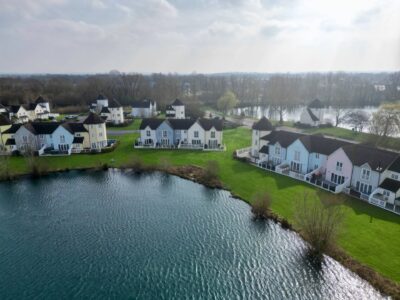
(275, 90)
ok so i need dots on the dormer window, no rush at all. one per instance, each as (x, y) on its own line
(365, 174)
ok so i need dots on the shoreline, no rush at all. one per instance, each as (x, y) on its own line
(193, 173)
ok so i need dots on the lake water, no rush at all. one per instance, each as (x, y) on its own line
(117, 235)
(293, 115)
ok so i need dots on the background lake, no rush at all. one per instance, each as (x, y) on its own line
(115, 235)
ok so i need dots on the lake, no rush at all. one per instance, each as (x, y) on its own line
(96, 235)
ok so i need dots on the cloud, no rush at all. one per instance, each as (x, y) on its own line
(202, 35)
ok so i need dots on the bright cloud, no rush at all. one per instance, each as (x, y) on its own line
(199, 35)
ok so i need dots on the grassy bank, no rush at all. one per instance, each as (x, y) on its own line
(370, 235)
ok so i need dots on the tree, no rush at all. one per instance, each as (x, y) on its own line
(211, 171)
(227, 101)
(358, 119)
(318, 222)
(386, 121)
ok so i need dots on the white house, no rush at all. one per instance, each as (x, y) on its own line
(175, 110)
(144, 109)
(212, 132)
(260, 128)
(313, 114)
(113, 113)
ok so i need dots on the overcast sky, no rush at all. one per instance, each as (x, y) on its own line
(207, 36)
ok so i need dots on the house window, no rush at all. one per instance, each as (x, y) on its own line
(339, 166)
(256, 132)
(185, 131)
(25, 138)
(365, 174)
(196, 134)
(164, 133)
(297, 155)
(295, 166)
(316, 155)
(386, 193)
(98, 126)
(62, 139)
(213, 134)
(41, 136)
(395, 176)
(147, 132)
(100, 134)
(277, 150)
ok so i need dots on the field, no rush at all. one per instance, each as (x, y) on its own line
(370, 235)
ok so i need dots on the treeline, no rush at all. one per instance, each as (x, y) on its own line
(276, 90)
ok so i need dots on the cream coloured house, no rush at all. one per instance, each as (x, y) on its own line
(96, 128)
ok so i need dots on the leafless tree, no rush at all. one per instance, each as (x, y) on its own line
(260, 205)
(386, 121)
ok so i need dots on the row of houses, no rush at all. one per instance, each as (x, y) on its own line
(54, 137)
(367, 172)
(36, 110)
(202, 134)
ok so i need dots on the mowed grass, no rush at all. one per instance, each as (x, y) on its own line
(361, 137)
(370, 235)
(132, 126)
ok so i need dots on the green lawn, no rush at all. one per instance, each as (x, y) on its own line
(133, 126)
(388, 142)
(371, 235)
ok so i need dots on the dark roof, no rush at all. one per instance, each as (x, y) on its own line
(42, 127)
(316, 103)
(40, 99)
(263, 124)
(321, 144)
(377, 159)
(284, 138)
(153, 123)
(114, 103)
(313, 117)
(105, 110)
(92, 118)
(78, 140)
(207, 124)
(390, 185)
(181, 124)
(4, 120)
(10, 142)
(264, 149)
(177, 102)
(15, 108)
(31, 106)
(13, 128)
(395, 165)
(74, 127)
(101, 97)
(169, 107)
(142, 103)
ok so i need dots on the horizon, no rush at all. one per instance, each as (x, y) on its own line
(203, 36)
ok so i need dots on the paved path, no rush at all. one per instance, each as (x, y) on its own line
(121, 132)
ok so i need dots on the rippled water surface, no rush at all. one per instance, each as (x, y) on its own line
(115, 235)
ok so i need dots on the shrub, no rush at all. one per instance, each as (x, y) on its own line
(5, 170)
(164, 164)
(319, 222)
(211, 171)
(137, 164)
(260, 206)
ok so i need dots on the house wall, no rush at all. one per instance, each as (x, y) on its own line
(141, 112)
(208, 139)
(117, 115)
(303, 160)
(164, 126)
(390, 174)
(392, 196)
(256, 143)
(319, 112)
(29, 143)
(195, 127)
(338, 156)
(373, 179)
(305, 118)
(2, 129)
(317, 160)
(143, 135)
(179, 112)
(276, 158)
(97, 135)
(68, 137)
(181, 135)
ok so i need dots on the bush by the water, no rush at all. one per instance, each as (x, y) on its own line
(5, 169)
(319, 222)
(260, 206)
(211, 171)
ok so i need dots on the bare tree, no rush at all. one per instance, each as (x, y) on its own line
(318, 222)
(386, 121)
(358, 119)
(260, 205)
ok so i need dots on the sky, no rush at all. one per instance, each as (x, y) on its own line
(203, 36)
